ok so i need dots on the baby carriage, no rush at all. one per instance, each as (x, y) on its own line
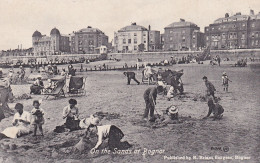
(172, 78)
(76, 85)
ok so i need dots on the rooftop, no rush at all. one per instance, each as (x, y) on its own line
(181, 23)
(133, 27)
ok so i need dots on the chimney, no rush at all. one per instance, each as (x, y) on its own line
(89, 27)
(149, 27)
(133, 23)
(18, 47)
(252, 12)
(226, 15)
(182, 20)
(238, 13)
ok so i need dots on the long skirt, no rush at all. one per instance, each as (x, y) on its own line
(114, 137)
(72, 124)
(16, 131)
(35, 89)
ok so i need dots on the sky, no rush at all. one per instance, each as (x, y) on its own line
(20, 18)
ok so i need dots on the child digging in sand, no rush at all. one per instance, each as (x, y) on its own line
(37, 117)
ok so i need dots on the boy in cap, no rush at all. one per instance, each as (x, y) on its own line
(225, 81)
(210, 87)
(150, 95)
(131, 75)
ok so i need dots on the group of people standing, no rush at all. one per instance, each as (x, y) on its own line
(151, 93)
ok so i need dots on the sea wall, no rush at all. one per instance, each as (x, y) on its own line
(160, 56)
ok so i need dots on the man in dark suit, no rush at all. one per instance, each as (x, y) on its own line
(131, 75)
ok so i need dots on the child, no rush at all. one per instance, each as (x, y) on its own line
(225, 80)
(37, 117)
(49, 87)
(216, 109)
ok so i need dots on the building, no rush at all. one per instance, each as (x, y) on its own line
(182, 35)
(86, 40)
(50, 45)
(162, 40)
(234, 32)
(154, 40)
(16, 52)
(132, 38)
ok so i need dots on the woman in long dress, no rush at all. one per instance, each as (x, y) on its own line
(21, 124)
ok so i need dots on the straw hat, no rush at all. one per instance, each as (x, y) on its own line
(173, 109)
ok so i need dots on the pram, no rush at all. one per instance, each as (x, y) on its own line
(57, 91)
(172, 78)
(76, 85)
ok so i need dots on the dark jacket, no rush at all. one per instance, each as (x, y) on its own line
(130, 74)
(210, 87)
(150, 94)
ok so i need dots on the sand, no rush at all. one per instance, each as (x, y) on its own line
(235, 136)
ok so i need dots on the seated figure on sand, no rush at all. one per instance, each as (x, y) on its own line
(21, 124)
(37, 86)
(216, 109)
(110, 132)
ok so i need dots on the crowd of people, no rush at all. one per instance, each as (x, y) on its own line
(23, 120)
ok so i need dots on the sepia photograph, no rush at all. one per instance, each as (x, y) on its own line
(129, 81)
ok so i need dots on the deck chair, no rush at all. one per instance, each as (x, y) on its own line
(145, 78)
(58, 90)
(76, 86)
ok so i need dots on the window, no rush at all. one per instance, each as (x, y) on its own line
(207, 38)
(135, 34)
(80, 42)
(183, 38)
(231, 35)
(243, 35)
(234, 26)
(80, 36)
(243, 24)
(223, 35)
(256, 35)
(144, 34)
(252, 43)
(253, 25)
(129, 41)
(253, 35)
(144, 40)
(171, 38)
(183, 31)
(135, 41)
(256, 42)
(193, 36)
(235, 35)
(124, 41)
(207, 29)
(171, 31)
(135, 47)
(91, 42)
